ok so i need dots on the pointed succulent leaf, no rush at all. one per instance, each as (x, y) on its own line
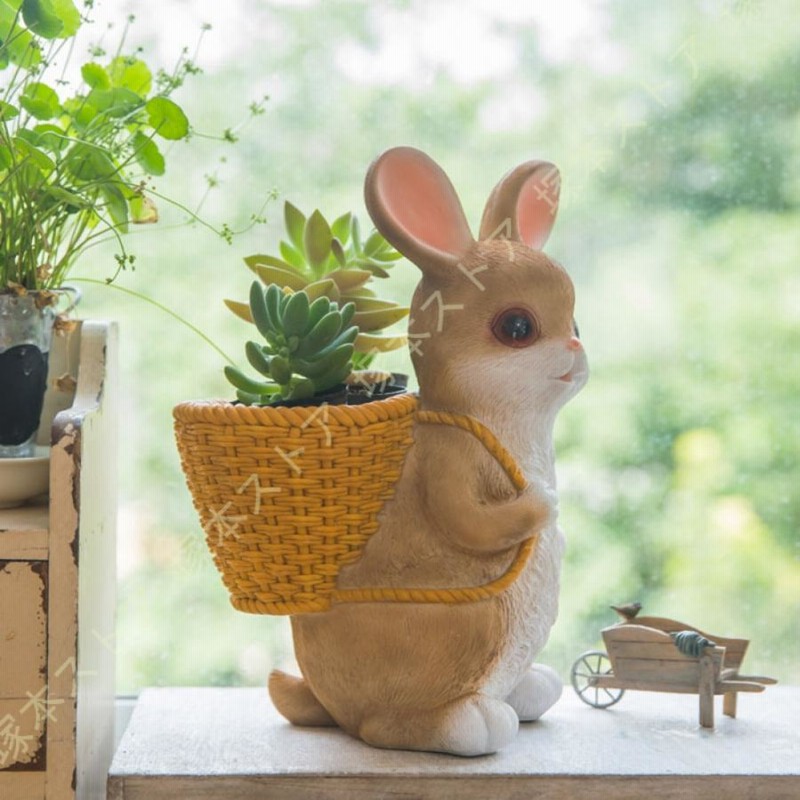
(302, 389)
(317, 310)
(345, 337)
(293, 256)
(374, 304)
(374, 244)
(258, 310)
(367, 342)
(268, 261)
(317, 241)
(324, 332)
(374, 269)
(362, 361)
(340, 228)
(332, 378)
(295, 314)
(280, 371)
(295, 222)
(283, 277)
(377, 320)
(348, 312)
(248, 398)
(257, 358)
(321, 288)
(355, 294)
(355, 233)
(272, 300)
(242, 310)
(387, 256)
(319, 366)
(241, 381)
(349, 279)
(338, 252)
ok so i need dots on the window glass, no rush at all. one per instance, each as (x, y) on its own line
(676, 127)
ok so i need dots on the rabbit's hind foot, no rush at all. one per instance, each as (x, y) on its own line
(474, 725)
(538, 690)
(295, 700)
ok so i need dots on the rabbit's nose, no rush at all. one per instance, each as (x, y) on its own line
(574, 343)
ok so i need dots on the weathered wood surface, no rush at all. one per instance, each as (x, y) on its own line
(82, 556)
(64, 624)
(23, 659)
(230, 744)
(722, 687)
(23, 533)
(735, 649)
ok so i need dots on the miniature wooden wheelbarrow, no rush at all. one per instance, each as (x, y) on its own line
(655, 654)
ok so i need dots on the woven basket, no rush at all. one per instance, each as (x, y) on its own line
(287, 496)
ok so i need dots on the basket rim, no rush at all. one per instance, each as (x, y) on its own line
(226, 412)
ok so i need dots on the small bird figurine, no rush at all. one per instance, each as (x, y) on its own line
(628, 611)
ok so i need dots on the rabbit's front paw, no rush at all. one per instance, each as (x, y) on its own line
(544, 503)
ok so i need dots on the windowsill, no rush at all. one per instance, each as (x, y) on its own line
(232, 743)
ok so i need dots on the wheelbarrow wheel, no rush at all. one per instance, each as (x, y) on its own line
(585, 671)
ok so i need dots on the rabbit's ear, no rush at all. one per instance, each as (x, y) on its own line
(523, 205)
(415, 207)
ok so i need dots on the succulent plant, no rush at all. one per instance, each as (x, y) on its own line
(330, 260)
(308, 349)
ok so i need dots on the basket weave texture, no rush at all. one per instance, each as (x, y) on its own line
(287, 496)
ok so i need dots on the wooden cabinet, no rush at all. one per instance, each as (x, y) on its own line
(57, 578)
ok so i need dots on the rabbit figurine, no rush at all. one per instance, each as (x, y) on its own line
(493, 338)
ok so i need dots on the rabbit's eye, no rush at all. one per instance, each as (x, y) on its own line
(515, 327)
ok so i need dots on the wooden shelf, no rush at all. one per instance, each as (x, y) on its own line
(57, 584)
(24, 532)
(231, 743)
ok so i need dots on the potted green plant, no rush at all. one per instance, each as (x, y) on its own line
(74, 166)
(288, 480)
(331, 260)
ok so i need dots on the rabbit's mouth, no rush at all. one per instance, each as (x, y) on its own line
(569, 375)
(575, 373)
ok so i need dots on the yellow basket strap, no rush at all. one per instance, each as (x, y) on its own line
(484, 436)
(455, 596)
(447, 596)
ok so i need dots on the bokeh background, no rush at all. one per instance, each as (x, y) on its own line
(676, 127)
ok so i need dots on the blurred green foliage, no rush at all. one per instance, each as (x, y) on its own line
(680, 154)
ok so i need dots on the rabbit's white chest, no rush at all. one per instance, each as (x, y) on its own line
(531, 607)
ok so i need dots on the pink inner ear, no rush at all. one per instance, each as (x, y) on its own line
(421, 202)
(537, 206)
